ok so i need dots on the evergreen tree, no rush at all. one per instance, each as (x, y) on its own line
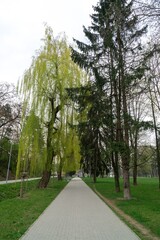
(111, 56)
(92, 128)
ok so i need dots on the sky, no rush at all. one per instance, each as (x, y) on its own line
(22, 28)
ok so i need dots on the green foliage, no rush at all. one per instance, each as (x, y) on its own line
(147, 165)
(66, 143)
(32, 152)
(5, 147)
(112, 57)
(16, 214)
(44, 91)
(91, 106)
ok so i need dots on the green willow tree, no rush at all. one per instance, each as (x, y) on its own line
(32, 151)
(43, 88)
(66, 142)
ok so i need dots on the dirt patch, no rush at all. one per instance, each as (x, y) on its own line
(147, 234)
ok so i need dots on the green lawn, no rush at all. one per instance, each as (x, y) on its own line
(144, 206)
(17, 214)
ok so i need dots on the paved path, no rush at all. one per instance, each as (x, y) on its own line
(78, 214)
(17, 180)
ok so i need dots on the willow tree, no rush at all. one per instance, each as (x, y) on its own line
(43, 88)
(31, 146)
(66, 142)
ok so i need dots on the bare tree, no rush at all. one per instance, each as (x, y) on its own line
(138, 110)
(152, 81)
(148, 9)
(10, 108)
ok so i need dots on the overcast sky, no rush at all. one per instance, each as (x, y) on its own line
(22, 28)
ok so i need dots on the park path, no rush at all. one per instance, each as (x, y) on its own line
(78, 214)
(17, 180)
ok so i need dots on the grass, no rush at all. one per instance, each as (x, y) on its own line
(144, 206)
(17, 214)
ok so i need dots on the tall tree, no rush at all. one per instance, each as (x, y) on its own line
(91, 128)
(111, 57)
(43, 87)
(10, 108)
(139, 112)
(152, 84)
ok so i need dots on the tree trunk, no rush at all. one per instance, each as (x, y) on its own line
(45, 179)
(126, 183)
(95, 169)
(60, 170)
(94, 177)
(135, 161)
(156, 136)
(114, 157)
(135, 174)
(116, 171)
(125, 152)
(48, 166)
(135, 168)
(59, 175)
(50, 152)
(95, 162)
(95, 154)
(116, 179)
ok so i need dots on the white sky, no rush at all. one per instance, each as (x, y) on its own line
(22, 28)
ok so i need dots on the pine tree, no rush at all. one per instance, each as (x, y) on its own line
(111, 58)
(91, 128)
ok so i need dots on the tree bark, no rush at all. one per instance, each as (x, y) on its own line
(134, 146)
(45, 179)
(125, 152)
(135, 163)
(95, 161)
(95, 170)
(115, 136)
(126, 183)
(50, 151)
(135, 174)
(116, 171)
(59, 175)
(156, 136)
(50, 154)
(60, 170)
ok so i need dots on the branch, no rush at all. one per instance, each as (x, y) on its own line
(10, 120)
(57, 109)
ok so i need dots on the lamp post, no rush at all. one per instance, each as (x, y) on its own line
(9, 162)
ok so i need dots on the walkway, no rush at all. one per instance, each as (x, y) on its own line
(18, 180)
(78, 214)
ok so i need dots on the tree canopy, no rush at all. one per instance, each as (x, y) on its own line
(113, 57)
(44, 94)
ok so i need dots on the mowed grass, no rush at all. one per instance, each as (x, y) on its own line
(144, 206)
(17, 214)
